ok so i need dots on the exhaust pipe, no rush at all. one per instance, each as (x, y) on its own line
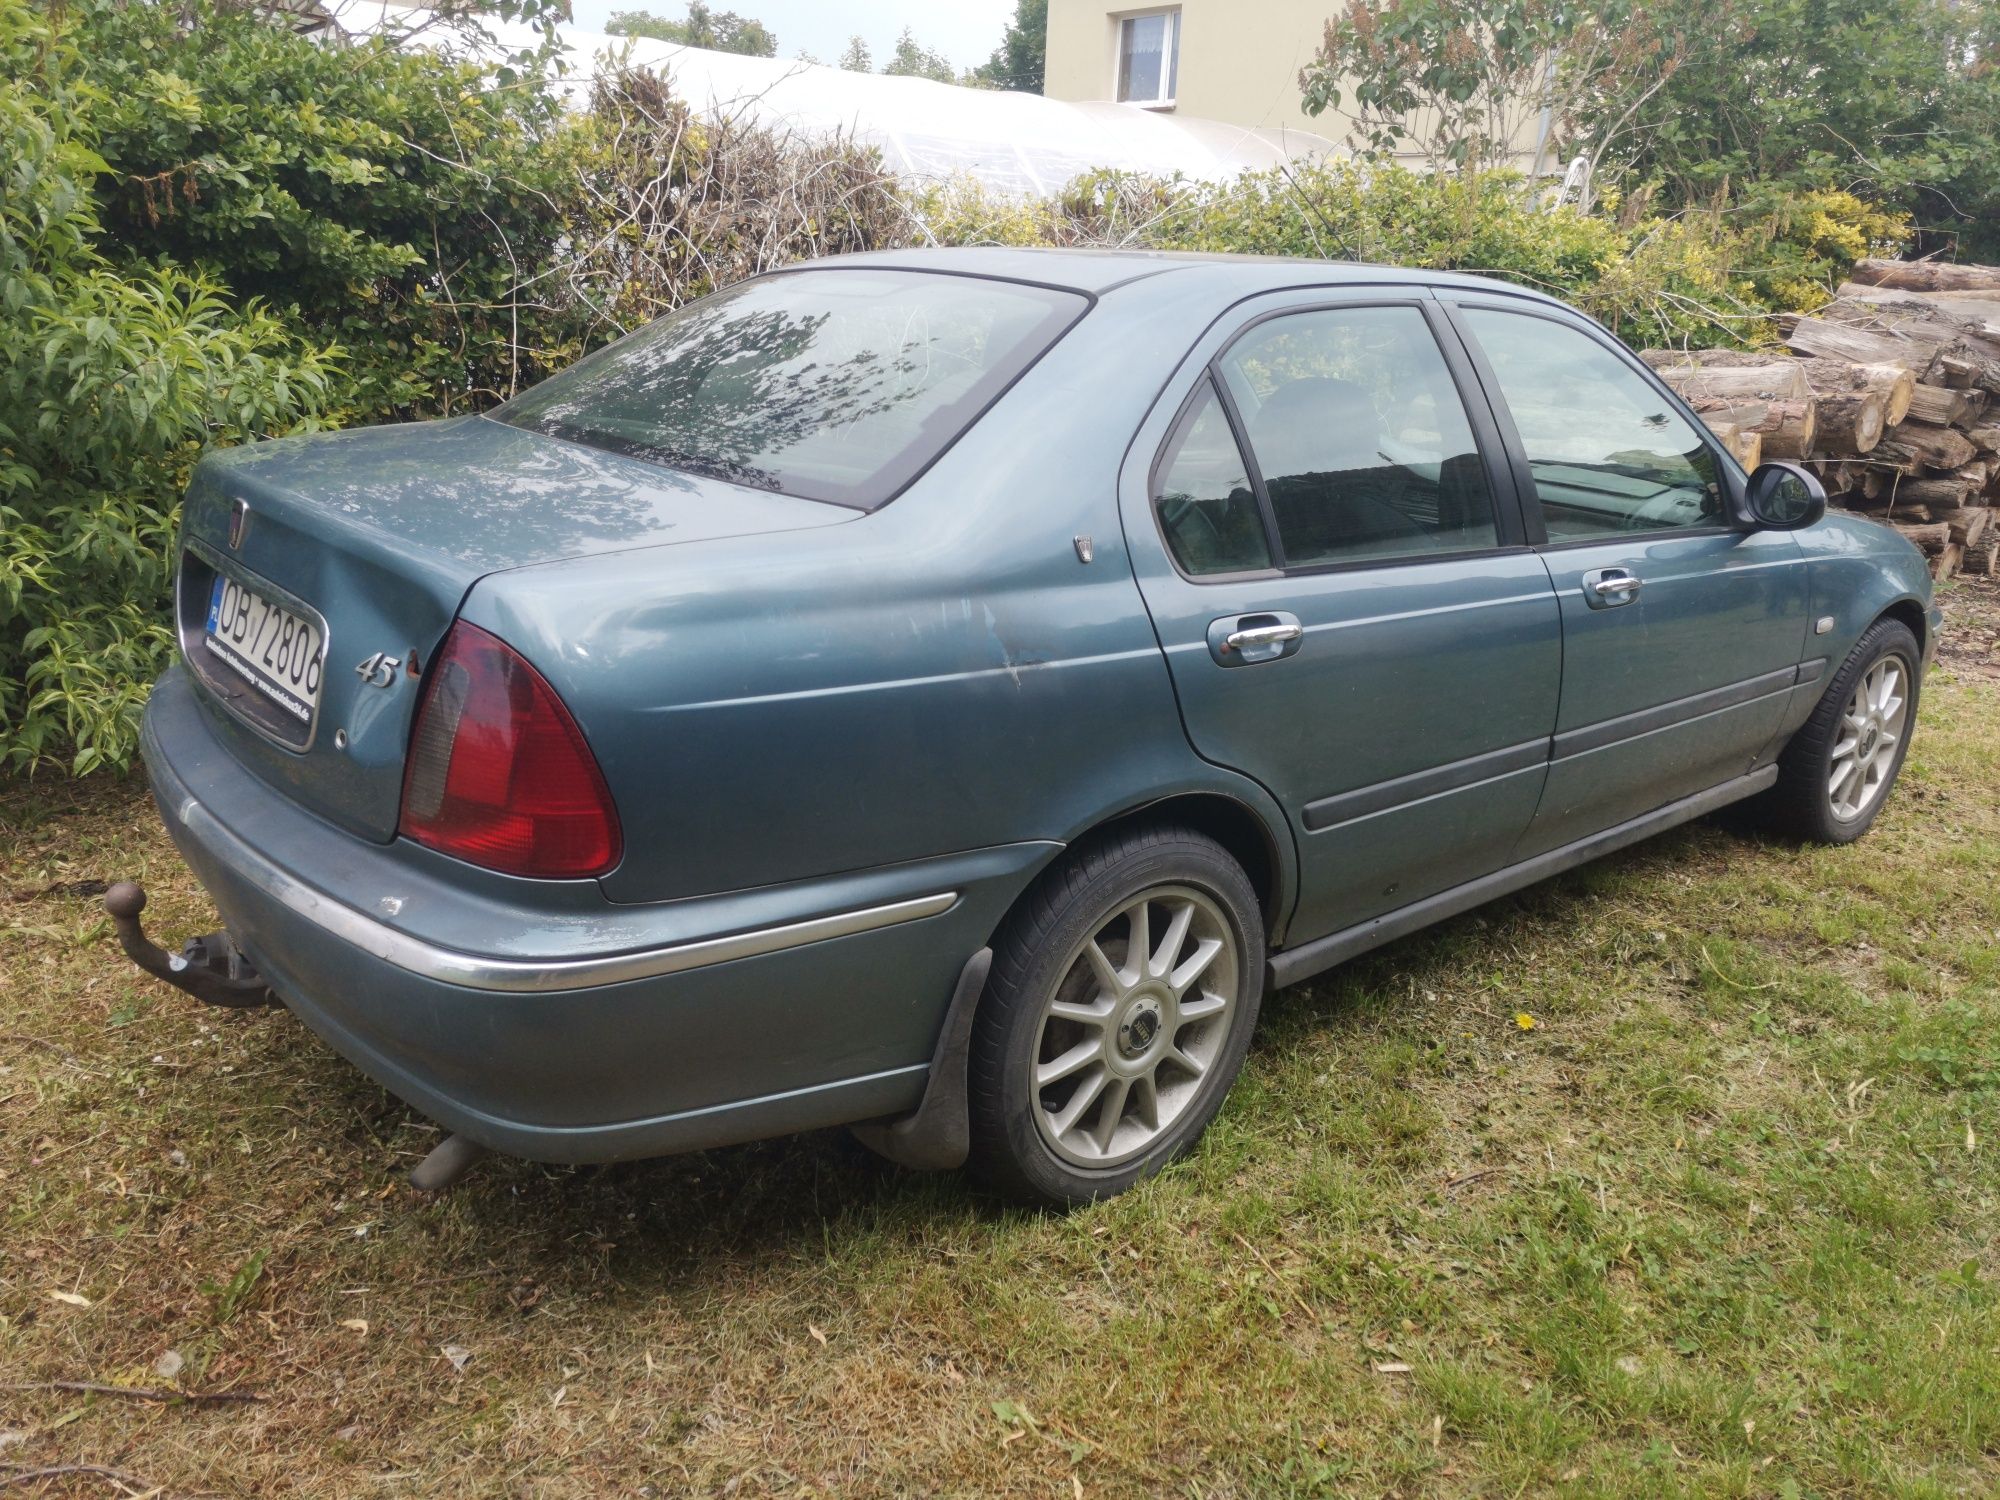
(450, 1159)
(211, 967)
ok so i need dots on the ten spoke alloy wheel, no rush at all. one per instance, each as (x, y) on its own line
(1871, 728)
(1140, 1017)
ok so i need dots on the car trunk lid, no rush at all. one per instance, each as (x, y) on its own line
(368, 540)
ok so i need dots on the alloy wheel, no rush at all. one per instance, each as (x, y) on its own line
(1141, 1015)
(1866, 742)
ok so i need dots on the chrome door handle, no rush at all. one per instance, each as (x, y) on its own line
(1249, 640)
(1262, 635)
(1607, 588)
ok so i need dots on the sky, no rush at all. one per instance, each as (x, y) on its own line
(966, 31)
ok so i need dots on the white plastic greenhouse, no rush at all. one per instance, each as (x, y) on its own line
(1014, 143)
(1019, 144)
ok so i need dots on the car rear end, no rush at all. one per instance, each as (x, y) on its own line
(408, 830)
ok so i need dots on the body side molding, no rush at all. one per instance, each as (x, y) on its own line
(1311, 958)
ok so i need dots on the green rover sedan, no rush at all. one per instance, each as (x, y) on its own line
(941, 692)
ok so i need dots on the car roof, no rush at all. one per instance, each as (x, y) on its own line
(1096, 272)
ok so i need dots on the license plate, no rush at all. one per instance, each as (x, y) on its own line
(277, 652)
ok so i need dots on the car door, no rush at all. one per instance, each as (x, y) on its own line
(1334, 561)
(1682, 631)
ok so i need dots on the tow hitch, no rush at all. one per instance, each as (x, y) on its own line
(211, 967)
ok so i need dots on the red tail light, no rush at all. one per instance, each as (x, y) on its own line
(499, 775)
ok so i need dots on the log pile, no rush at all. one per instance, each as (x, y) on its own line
(1890, 394)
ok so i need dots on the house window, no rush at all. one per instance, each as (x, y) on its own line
(1149, 58)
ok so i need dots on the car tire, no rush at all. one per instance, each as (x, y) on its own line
(1849, 729)
(1159, 1042)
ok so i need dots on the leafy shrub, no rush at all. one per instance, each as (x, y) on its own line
(395, 201)
(111, 382)
(668, 208)
(1654, 281)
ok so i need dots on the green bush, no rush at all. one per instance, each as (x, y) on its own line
(1658, 281)
(112, 379)
(392, 200)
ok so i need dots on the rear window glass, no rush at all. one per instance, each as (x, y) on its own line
(832, 385)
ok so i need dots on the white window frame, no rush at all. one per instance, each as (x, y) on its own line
(1170, 56)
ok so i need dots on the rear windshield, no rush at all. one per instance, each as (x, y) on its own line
(833, 385)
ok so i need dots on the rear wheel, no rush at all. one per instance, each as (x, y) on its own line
(1124, 991)
(1836, 773)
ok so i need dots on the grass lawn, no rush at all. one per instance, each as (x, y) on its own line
(1677, 1175)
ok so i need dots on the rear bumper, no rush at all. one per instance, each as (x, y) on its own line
(544, 1021)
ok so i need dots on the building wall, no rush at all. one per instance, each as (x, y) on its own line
(1239, 59)
(1239, 63)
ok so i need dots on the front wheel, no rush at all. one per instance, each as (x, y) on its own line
(1124, 990)
(1836, 773)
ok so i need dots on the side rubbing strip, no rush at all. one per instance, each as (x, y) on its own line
(1384, 795)
(1809, 670)
(533, 976)
(1666, 715)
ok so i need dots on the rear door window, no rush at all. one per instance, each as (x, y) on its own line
(1359, 436)
(839, 385)
(1204, 498)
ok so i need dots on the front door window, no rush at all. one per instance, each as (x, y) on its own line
(1608, 452)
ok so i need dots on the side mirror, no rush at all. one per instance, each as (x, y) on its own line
(1783, 497)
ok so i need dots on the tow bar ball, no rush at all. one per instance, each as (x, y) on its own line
(211, 967)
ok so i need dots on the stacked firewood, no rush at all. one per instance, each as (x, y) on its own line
(1890, 393)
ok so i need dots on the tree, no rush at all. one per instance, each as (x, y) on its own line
(1470, 84)
(720, 31)
(1019, 62)
(857, 59)
(1894, 102)
(911, 59)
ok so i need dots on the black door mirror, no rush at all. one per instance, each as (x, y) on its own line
(1783, 497)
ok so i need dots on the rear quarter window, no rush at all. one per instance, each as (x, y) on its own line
(836, 385)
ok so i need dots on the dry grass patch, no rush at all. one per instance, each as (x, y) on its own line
(1722, 1221)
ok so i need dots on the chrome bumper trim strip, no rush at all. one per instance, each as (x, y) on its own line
(532, 976)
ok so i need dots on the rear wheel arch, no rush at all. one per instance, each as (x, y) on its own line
(1243, 831)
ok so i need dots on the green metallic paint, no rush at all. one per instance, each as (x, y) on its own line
(803, 710)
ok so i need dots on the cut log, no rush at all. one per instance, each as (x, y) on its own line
(1982, 308)
(1728, 421)
(1946, 563)
(1939, 405)
(1969, 354)
(1729, 410)
(1985, 437)
(1781, 380)
(1894, 383)
(1848, 423)
(1863, 346)
(1983, 559)
(1711, 359)
(1787, 429)
(1925, 446)
(1871, 483)
(1929, 540)
(1970, 526)
(1926, 276)
(1934, 494)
